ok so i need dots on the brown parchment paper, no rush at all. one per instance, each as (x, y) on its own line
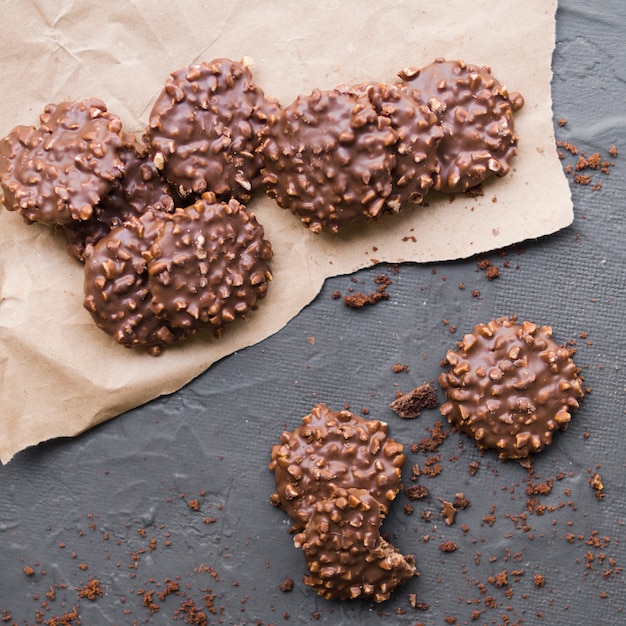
(59, 374)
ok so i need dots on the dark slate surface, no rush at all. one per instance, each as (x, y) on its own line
(117, 504)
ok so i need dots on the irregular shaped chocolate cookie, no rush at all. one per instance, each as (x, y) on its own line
(117, 289)
(415, 151)
(140, 187)
(59, 171)
(345, 554)
(476, 114)
(510, 387)
(328, 158)
(209, 265)
(331, 451)
(204, 126)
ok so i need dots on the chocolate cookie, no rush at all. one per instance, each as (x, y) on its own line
(331, 451)
(476, 114)
(345, 554)
(209, 265)
(510, 387)
(328, 158)
(117, 289)
(415, 152)
(140, 187)
(204, 126)
(59, 171)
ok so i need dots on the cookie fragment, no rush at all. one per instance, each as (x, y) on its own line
(209, 265)
(327, 159)
(346, 556)
(59, 171)
(510, 387)
(331, 451)
(204, 127)
(410, 405)
(476, 114)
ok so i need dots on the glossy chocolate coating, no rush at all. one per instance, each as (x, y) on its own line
(328, 158)
(329, 451)
(117, 289)
(140, 187)
(209, 265)
(418, 133)
(59, 171)
(510, 387)
(345, 554)
(476, 114)
(204, 126)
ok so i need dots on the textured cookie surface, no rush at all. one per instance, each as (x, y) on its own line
(139, 188)
(328, 159)
(346, 556)
(418, 134)
(117, 289)
(476, 114)
(510, 387)
(59, 171)
(204, 126)
(209, 265)
(329, 451)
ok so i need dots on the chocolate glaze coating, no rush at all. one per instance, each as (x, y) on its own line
(346, 556)
(117, 289)
(476, 113)
(418, 135)
(209, 265)
(204, 127)
(328, 159)
(329, 451)
(139, 188)
(59, 171)
(510, 387)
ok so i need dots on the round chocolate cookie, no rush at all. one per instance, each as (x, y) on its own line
(117, 289)
(510, 387)
(209, 265)
(59, 171)
(476, 114)
(345, 554)
(329, 451)
(139, 188)
(329, 159)
(204, 126)
(418, 134)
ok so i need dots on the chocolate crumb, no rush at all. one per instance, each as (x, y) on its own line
(410, 405)
(448, 546)
(416, 492)
(399, 367)
(286, 585)
(359, 300)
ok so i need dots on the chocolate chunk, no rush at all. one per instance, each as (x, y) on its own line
(510, 387)
(346, 556)
(410, 405)
(140, 187)
(204, 127)
(209, 265)
(331, 451)
(476, 114)
(117, 289)
(59, 171)
(328, 159)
